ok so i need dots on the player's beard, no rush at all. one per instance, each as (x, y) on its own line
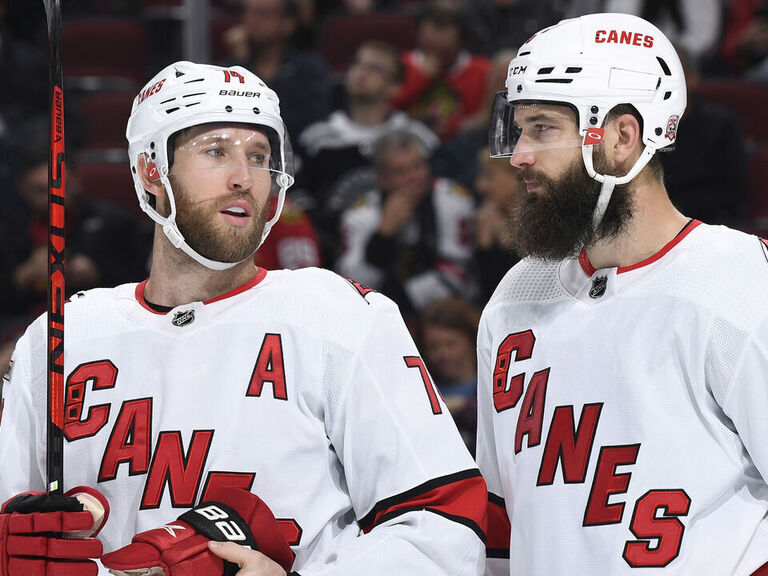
(556, 221)
(211, 238)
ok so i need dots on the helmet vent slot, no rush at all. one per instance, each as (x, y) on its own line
(195, 80)
(664, 66)
(547, 70)
(195, 94)
(192, 104)
(555, 80)
(524, 53)
(573, 69)
(171, 110)
(169, 100)
(667, 95)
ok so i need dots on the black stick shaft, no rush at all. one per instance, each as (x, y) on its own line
(56, 246)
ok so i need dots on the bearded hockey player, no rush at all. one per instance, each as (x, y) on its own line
(216, 401)
(623, 363)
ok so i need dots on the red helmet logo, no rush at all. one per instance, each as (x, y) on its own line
(593, 136)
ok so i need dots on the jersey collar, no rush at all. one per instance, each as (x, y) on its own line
(261, 273)
(589, 270)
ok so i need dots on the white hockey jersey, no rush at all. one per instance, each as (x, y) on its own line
(623, 412)
(300, 385)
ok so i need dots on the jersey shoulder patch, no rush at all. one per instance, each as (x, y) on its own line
(361, 289)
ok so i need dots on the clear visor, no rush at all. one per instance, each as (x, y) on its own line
(520, 127)
(234, 151)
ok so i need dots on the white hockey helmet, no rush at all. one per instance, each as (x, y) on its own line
(187, 94)
(592, 64)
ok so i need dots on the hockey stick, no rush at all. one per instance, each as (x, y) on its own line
(56, 244)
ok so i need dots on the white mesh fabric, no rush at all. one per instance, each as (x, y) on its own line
(337, 365)
(530, 281)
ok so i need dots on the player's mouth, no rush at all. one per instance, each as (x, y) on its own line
(237, 213)
(531, 185)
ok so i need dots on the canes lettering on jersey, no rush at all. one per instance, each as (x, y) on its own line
(655, 525)
(168, 464)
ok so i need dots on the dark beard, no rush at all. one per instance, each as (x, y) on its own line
(214, 242)
(556, 221)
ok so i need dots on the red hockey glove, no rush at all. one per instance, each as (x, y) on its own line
(181, 547)
(52, 535)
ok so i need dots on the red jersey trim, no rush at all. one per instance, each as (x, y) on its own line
(586, 265)
(499, 529)
(261, 273)
(141, 300)
(459, 497)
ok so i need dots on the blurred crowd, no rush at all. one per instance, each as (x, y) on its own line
(387, 105)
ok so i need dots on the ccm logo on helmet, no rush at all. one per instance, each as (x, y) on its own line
(623, 37)
(154, 89)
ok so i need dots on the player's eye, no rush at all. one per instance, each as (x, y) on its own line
(258, 159)
(214, 152)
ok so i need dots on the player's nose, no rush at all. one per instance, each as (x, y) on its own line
(240, 174)
(523, 155)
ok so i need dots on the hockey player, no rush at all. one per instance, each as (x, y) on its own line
(215, 381)
(623, 388)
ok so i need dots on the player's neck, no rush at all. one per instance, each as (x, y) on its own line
(369, 112)
(176, 279)
(655, 221)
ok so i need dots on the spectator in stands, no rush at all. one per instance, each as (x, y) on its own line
(497, 182)
(502, 24)
(457, 158)
(443, 83)
(411, 237)
(745, 40)
(292, 243)
(103, 244)
(448, 336)
(344, 140)
(263, 44)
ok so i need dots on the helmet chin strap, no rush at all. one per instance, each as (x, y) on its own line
(610, 182)
(177, 239)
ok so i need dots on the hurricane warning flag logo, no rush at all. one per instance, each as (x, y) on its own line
(671, 132)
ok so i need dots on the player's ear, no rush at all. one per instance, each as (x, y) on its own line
(149, 176)
(628, 138)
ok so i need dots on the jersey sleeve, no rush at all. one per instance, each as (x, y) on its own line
(746, 396)
(497, 545)
(417, 494)
(22, 441)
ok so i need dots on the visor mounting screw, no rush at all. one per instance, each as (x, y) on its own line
(658, 131)
(153, 155)
(152, 145)
(519, 87)
(593, 120)
(256, 111)
(228, 108)
(594, 109)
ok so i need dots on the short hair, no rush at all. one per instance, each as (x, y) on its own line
(452, 313)
(387, 49)
(399, 139)
(451, 13)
